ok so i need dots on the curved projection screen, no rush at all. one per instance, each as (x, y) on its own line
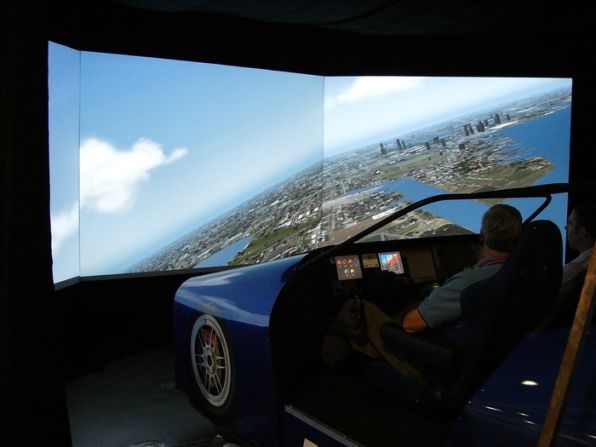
(173, 165)
(63, 121)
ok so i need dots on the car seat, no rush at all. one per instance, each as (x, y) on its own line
(496, 314)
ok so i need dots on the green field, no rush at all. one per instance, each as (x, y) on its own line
(271, 239)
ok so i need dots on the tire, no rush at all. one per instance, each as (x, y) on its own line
(212, 371)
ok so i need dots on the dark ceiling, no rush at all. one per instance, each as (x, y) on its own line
(384, 17)
(449, 37)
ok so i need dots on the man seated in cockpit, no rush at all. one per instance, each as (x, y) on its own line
(581, 236)
(500, 230)
(501, 227)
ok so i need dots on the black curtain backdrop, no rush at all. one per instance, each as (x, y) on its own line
(96, 318)
(32, 399)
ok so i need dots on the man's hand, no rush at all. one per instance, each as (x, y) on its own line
(413, 322)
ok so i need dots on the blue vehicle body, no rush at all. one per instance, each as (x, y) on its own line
(243, 298)
(509, 409)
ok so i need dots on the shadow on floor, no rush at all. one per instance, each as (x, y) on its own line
(134, 402)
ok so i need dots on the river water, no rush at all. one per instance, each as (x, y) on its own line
(225, 255)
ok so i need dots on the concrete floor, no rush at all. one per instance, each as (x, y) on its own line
(133, 402)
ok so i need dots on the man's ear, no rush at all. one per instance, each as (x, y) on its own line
(582, 232)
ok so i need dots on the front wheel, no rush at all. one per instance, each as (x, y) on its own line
(212, 367)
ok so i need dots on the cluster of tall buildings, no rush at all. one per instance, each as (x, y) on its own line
(469, 129)
(400, 145)
(481, 125)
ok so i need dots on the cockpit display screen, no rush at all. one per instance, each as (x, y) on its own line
(348, 267)
(391, 262)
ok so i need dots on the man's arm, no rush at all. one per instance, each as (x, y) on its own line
(413, 322)
(440, 307)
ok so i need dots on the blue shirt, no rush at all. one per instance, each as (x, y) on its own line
(442, 305)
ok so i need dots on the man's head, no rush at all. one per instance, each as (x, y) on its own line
(581, 227)
(501, 227)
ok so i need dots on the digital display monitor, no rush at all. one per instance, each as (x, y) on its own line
(348, 267)
(370, 261)
(391, 262)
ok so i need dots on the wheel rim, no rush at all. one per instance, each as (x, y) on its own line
(211, 360)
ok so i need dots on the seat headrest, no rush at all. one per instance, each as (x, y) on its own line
(521, 292)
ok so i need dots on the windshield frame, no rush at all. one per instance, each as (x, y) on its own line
(544, 191)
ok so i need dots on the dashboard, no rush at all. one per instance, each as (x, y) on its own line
(398, 273)
(351, 266)
(415, 261)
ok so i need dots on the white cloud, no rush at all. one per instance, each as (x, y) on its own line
(109, 181)
(110, 178)
(373, 86)
(177, 154)
(65, 224)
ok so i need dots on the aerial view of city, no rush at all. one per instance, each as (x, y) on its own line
(333, 200)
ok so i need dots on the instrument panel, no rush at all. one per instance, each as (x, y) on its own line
(420, 263)
(350, 266)
(406, 261)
